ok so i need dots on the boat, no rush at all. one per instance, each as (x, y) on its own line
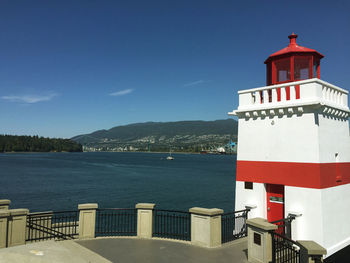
(170, 157)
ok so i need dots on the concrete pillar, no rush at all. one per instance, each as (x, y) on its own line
(144, 220)
(17, 227)
(4, 204)
(4, 215)
(87, 220)
(206, 226)
(259, 240)
(313, 251)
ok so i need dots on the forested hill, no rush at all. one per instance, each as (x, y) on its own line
(11, 143)
(181, 135)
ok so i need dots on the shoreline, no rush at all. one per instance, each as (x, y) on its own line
(120, 152)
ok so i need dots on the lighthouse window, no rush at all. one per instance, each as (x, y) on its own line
(301, 67)
(248, 185)
(283, 69)
(276, 199)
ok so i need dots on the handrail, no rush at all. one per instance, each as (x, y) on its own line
(287, 238)
(52, 225)
(100, 209)
(172, 224)
(283, 220)
(174, 211)
(234, 212)
(297, 94)
(50, 231)
(51, 212)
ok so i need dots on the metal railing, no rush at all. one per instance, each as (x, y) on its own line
(284, 226)
(285, 250)
(52, 225)
(116, 222)
(233, 225)
(172, 224)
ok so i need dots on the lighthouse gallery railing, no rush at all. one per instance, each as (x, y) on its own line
(293, 94)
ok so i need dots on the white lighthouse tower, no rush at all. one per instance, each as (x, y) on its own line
(293, 152)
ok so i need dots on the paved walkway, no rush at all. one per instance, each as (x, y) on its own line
(129, 250)
(50, 252)
(123, 250)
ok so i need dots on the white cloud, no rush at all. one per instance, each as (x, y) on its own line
(121, 92)
(194, 83)
(29, 98)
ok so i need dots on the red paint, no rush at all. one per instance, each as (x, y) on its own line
(293, 47)
(276, 62)
(310, 175)
(275, 208)
(288, 93)
(292, 67)
(297, 91)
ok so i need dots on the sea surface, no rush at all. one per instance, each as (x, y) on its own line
(61, 181)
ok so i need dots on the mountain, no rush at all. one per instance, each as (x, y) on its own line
(160, 136)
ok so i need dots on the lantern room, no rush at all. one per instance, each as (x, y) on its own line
(292, 63)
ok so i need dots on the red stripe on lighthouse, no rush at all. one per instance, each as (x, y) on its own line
(310, 175)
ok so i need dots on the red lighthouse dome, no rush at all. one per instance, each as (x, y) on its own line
(292, 63)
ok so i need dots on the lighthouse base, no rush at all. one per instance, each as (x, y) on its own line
(325, 213)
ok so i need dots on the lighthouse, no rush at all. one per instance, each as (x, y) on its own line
(293, 155)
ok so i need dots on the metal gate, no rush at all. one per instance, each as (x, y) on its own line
(284, 226)
(285, 250)
(233, 225)
(52, 225)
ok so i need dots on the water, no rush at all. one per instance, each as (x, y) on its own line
(61, 181)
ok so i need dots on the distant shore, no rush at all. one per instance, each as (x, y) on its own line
(123, 152)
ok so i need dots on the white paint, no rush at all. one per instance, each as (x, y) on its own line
(282, 139)
(249, 197)
(307, 202)
(336, 217)
(325, 215)
(312, 129)
(333, 138)
(308, 130)
(310, 90)
(324, 212)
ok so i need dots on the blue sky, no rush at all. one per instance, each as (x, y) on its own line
(73, 67)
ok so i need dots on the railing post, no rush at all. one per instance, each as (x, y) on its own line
(260, 240)
(311, 252)
(206, 226)
(246, 218)
(144, 220)
(16, 232)
(4, 204)
(4, 215)
(273, 246)
(288, 223)
(87, 220)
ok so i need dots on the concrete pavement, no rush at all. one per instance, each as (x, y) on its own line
(50, 252)
(123, 250)
(132, 250)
